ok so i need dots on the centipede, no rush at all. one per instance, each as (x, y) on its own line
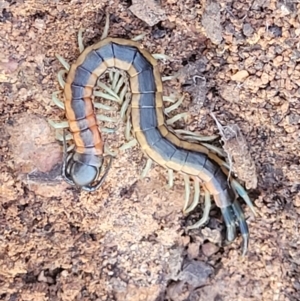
(83, 164)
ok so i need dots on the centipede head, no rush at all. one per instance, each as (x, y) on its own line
(83, 174)
(83, 170)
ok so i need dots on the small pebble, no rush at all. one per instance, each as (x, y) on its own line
(209, 249)
(248, 30)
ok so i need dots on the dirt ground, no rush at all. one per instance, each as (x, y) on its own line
(128, 240)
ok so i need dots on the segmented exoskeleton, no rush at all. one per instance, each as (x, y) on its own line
(147, 122)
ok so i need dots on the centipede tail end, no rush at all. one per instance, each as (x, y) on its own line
(233, 215)
(240, 218)
(229, 222)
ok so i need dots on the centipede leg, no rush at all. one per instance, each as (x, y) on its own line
(161, 56)
(195, 136)
(109, 91)
(109, 152)
(186, 179)
(106, 95)
(243, 194)
(124, 108)
(196, 196)
(123, 94)
(129, 144)
(59, 124)
(147, 168)
(106, 27)
(171, 99)
(176, 118)
(101, 106)
(205, 215)
(60, 137)
(115, 76)
(119, 85)
(174, 106)
(64, 63)
(139, 37)
(56, 100)
(80, 40)
(60, 76)
(229, 220)
(215, 149)
(128, 129)
(170, 178)
(171, 77)
(240, 218)
(106, 118)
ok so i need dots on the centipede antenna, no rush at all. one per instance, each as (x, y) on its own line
(65, 161)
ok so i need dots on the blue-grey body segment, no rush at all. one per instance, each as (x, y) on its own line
(78, 106)
(146, 81)
(180, 156)
(124, 53)
(148, 118)
(196, 159)
(78, 92)
(82, 124)
(88, 159)
(211, 167)
(222, 179)
(165, 148)
(87, 137)
(147, 100)
(92, 61)
(105, 52)
(140, 63)
(82, 77)
(152, 136)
